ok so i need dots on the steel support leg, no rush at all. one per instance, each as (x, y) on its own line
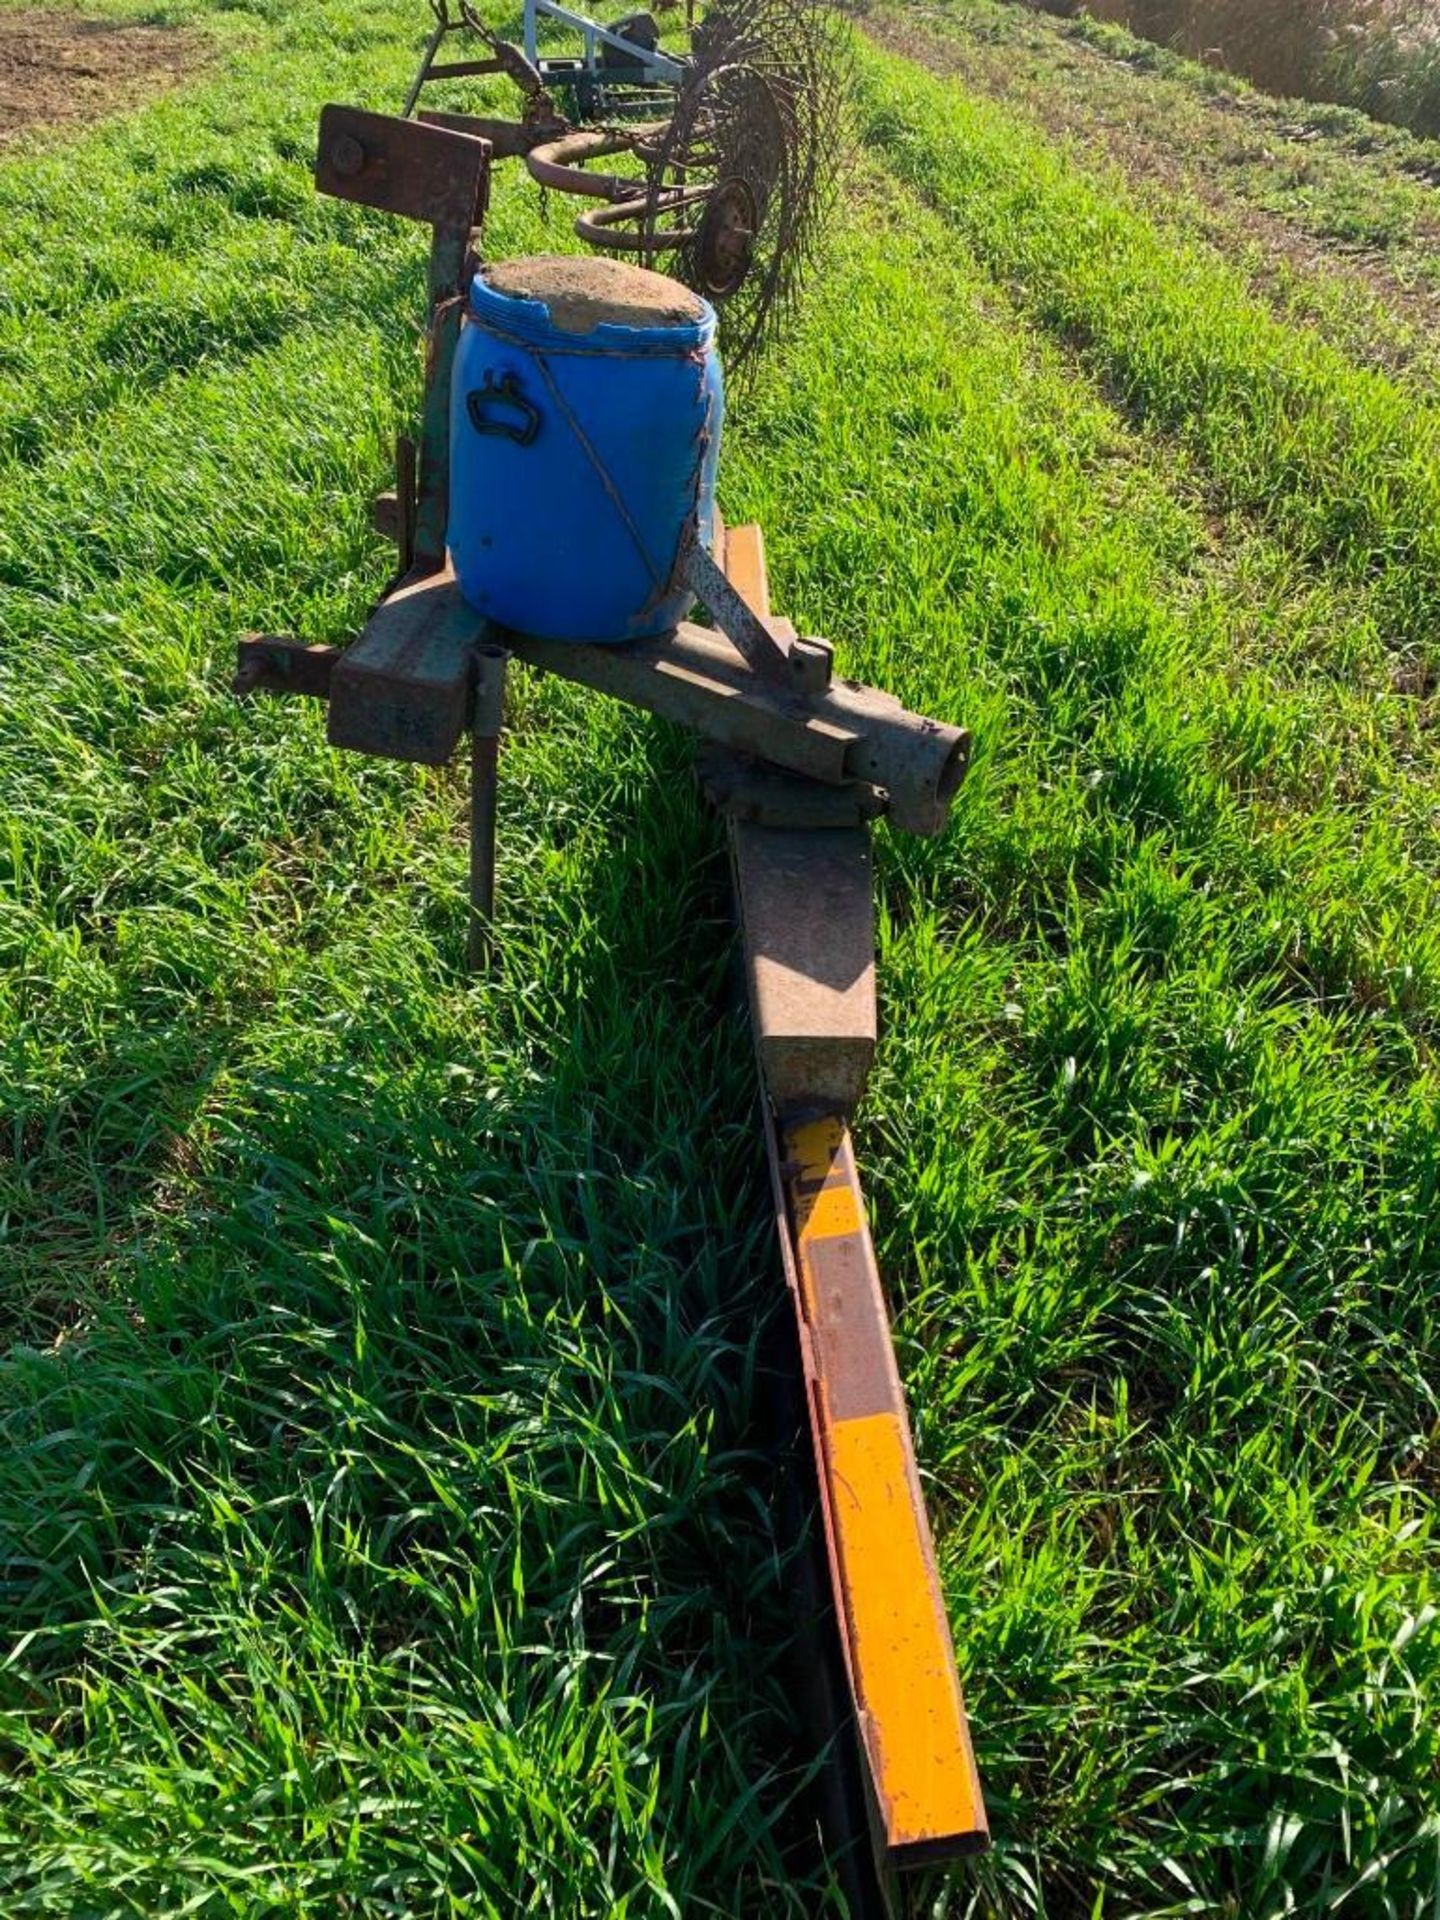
(490, 665)
(432, 47)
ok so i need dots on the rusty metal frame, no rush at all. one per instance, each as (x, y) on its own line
(922, 1785)
(436, 174)
(811, 757)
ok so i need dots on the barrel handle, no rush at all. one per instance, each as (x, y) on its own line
(503, 393)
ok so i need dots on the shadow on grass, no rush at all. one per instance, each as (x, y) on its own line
(445, 1369)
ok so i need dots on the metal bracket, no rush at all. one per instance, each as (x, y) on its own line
(424, 172)
(770, 646)
(808, 923)
(402, 689)
(743, 788)
(655, 67)
(271, 663)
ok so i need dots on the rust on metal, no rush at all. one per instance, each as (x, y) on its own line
(765, 650)
(449, 251)
(759, 121)
(560, 163)
(425, 172)
(507, 139)
(808, 923)
(465, 69)
(920, 763)
(696, 678)
(272, 663)
(442, 176)
(743, 788)
(846, 733)
(402, 690)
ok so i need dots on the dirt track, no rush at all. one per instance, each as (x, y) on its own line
(59, 69)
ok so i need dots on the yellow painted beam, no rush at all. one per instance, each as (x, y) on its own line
(897, 1637)
(744, 565)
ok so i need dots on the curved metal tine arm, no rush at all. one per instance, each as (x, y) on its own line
(560, 163)
(606, 228)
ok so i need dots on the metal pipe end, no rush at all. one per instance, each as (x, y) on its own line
(957, 765)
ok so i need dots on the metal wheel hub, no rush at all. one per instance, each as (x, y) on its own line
(725, 244)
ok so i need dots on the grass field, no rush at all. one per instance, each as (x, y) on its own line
(380, 1519)
(1382, 56)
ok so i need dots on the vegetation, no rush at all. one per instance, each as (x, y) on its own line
(381, 1524)
(1332, 219)
(1382, 56)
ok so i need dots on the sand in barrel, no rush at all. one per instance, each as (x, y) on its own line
(586, 291)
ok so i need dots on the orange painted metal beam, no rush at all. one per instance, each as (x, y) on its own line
(921, 1778)
(926, 1789)
(744, 562)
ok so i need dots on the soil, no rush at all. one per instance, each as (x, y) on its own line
(60, 69)
(582, 292)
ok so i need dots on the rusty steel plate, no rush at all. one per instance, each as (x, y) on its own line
(428, 173)
(808, 923)
(402, 691)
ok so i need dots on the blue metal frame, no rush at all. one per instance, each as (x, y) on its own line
(656, 68)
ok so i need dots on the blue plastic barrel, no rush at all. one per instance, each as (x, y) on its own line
(585, 421)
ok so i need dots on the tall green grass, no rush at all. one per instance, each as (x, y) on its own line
(382, 1526)
(1339, 461)
(378, 1525)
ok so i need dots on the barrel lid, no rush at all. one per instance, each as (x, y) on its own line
(588, 294)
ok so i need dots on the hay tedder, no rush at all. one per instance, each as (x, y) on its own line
(718, 164)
